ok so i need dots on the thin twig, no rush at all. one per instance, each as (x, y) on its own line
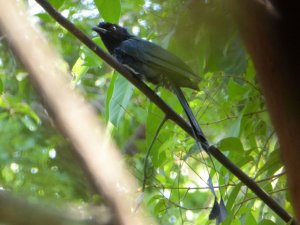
(254, 197)
(233, 117)
(149, 150)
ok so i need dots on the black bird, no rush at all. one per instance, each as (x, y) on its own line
(154, 64)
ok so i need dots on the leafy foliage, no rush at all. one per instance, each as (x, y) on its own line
(35, 159)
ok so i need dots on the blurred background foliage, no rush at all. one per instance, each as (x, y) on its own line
(36, 161)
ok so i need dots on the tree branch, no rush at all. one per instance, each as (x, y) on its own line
(171, 114)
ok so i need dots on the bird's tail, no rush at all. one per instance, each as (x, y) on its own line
(190, 115)
(218, 211)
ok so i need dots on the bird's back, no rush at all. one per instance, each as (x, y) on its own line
(147, 57)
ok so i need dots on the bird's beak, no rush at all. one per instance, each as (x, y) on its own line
(99, 30)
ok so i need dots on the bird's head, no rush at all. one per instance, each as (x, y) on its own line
(111, 34)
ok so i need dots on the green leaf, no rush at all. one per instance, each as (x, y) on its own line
(235, 90)
(11, 102)
(154, 199)
(79, 70)
(110, 10)
(234, 60)
(120, 99)
(231, 144)
(250, 220)
(192, 151)
(232, 197)
(1, 86)
(250, 71)
(160, 206)
(29, 123)
(235, 128)
(56, 3)
(109, 95)
(89, 58)
(154, 118)
(45, 17)
(272, 165)
(159, 156)
(7, 174)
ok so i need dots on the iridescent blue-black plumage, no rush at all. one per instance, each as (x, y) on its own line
(146, 59)
(152, 63)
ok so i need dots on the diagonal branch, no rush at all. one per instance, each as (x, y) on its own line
(170, 113)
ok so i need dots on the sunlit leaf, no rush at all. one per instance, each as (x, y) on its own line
(236, 90)
(109, 95)
(231, 144)
(267, 222)
(57, 3)
(250, 220)
(120, 99)
(109, 9)
(272, 165)
(235, 128)
(79, 70)
(159, 207)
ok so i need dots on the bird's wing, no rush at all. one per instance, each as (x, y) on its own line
(153, 55)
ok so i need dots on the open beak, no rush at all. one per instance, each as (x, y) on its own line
(99, 30)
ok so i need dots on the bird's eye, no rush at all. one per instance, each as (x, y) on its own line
(113, 28)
